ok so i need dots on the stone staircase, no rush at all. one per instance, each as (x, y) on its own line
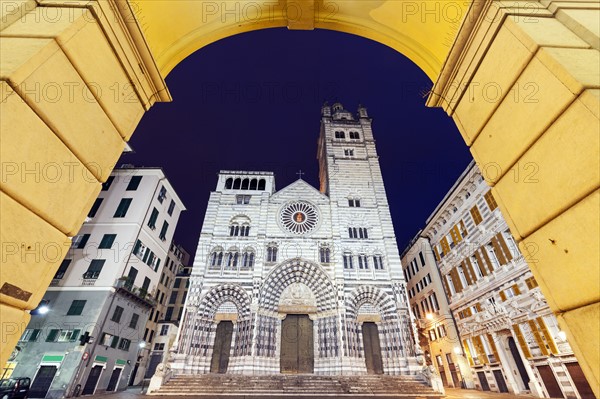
(300, 386)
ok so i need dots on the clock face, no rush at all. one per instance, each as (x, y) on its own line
(299, 217)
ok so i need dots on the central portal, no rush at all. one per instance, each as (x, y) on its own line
(297, 352)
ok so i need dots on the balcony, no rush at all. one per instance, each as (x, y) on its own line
(124, 286)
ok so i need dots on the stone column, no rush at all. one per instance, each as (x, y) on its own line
(522, 85)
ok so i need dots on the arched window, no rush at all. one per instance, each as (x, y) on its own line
(253, 184)
(262, 184)
(348, 261)
(229, 183)
(363, 262)
(378, 262)
(245, 231)
(237, 183)
(272, 253)
(354, 136)
(324, 254)
(216, 258)
(245, 184)
(248, 259)
(231, 259)
(234, 230)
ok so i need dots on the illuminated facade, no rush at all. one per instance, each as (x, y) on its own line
(509, 334)
(299, 280)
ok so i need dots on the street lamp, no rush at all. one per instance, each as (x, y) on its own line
(429, 316)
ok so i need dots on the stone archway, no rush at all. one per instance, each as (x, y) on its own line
(521, 83)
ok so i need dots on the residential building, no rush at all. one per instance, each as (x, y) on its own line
(510, 336)
(438, 335)
(84, 337)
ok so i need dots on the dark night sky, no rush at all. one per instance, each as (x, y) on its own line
(252, 102)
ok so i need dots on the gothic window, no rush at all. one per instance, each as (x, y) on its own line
(245, 231)
(354, 136)
(378, 262)
(253, 184)
(363, 262)
(231, 261)
(234, 230)
(245, 184)
(324, 254)
(261, 184)
(340, 135)
(348, 261)
(348, 152)
(360, 232)
(354, 203)
(237, 183)
(248, 259)
(272, 253)
(216, 258)
(229, 183)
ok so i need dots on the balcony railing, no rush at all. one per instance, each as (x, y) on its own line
(125, 285)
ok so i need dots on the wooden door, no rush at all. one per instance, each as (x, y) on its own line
(583, 387)
(221, 348)
(297, 348)
(550, 382)
(372, 347)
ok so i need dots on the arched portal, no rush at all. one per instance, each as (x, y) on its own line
(521, 83)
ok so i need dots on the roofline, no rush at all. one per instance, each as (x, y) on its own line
(164, 176)
(451, 191)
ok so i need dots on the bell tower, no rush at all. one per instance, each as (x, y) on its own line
(351, 176)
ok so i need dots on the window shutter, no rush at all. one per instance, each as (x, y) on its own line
(538, 337)
(445, 245)
(522, 342)
(486, 257)
(516, 289)
(502, 296)
(471, 270)
(481, 355)
(504, 247)
(75, 335)
(466, 273)
(498, 251)
(468, 352)
(436, 253)
(34, 335)
(446, 288)
(482, 267)
(493, 347)
(456, 280)
(52, 335)
(547, 335)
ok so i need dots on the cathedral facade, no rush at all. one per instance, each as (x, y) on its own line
(301, 280)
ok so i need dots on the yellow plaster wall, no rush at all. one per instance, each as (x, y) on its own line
(422, 31)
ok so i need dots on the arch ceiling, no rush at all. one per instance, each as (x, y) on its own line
(423, 31)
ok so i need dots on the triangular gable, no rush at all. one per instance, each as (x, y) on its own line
(299, 187)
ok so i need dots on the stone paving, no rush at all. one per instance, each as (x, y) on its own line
(134, 393)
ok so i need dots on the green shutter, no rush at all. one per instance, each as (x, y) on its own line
(34, 335)
(101, 359)
(52, 335)
(75, 335)
(115, 341)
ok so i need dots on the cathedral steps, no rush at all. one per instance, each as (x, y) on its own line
(228, 386)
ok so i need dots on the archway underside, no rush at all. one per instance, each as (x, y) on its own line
(422, 31)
